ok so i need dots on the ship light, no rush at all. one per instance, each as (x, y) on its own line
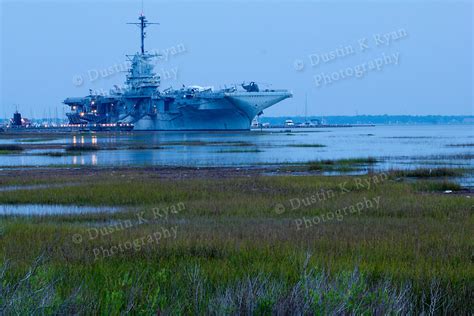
(81, 114)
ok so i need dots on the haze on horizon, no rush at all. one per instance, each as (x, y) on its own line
(51, 50)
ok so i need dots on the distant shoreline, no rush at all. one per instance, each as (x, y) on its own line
(342, 120)
(377, 119)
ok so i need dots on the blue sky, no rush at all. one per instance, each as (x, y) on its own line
(55, 49)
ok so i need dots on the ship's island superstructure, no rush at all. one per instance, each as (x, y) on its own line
(191, 108)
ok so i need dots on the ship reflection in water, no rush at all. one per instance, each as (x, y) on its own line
(91, 159)
(396, 146)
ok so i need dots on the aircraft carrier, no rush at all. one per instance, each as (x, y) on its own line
(141, 104)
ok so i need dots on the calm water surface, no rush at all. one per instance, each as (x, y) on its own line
(399, 146)
(40, 209)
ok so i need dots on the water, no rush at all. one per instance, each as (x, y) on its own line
(40, 209)
(34, 187)
(398, 146)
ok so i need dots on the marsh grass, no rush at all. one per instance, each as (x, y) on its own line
(10, 149)
(85, 148)
(34, 293)
(144, 147)
(429, 172)
(59, 153)
(206, 143)
(233, 254)
(35, 140)
(436, 186)
(240, 151)
(157, 291)
(82, 148)
(341, 165)
(8, 152)
(461, 145)
(307, 145)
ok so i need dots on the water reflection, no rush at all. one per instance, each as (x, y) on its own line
(40, 209)
(406, 146)
(33, 187)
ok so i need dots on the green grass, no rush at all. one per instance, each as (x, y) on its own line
(240, 151)
(436, 186)
(230, 239)
(59, 153)
(82, 147)
(192, 291)
(8, 152)
(341, 165)
(206, 143)
(430, 172)
(85, 148)
(35, 140)
(10, 148)
(143, 147)
(307, 145)
(461, 145)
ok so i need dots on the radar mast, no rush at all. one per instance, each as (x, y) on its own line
(142, 25)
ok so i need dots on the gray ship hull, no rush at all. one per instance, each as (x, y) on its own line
(203, 120)
(231, 112)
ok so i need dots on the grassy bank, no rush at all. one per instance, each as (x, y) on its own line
(341, 165)
(430, 172)
(242, 245)
(10, 149)
(307, 145)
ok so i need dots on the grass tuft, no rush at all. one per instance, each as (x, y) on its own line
(8, 147)
(307, 145)
(239, 151)
(234, 252)
(461, 145)
(429, 172)
(155, 291)
(436, 186)
(340, 165)
(79, 148)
